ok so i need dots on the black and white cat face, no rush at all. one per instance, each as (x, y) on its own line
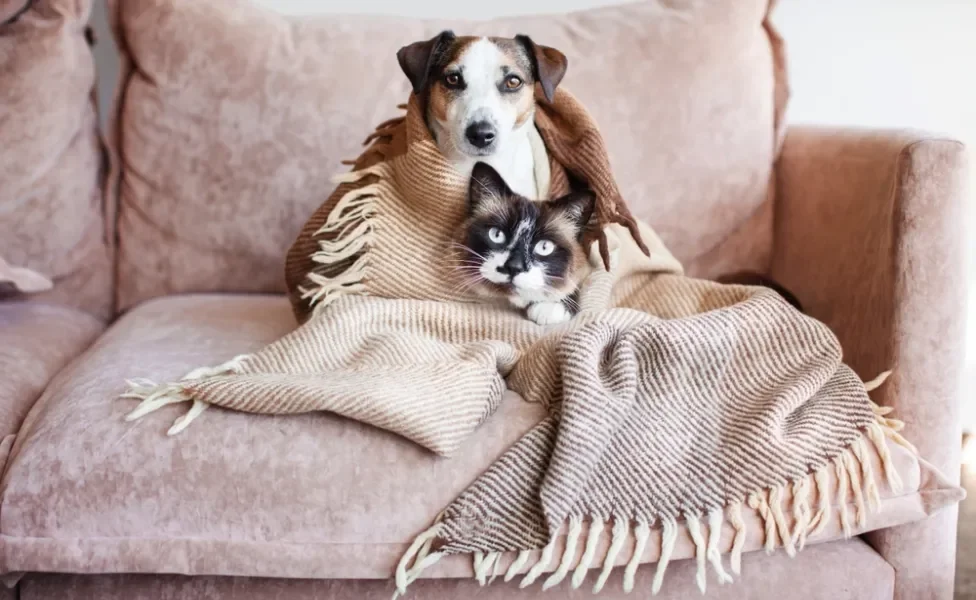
(528, 251)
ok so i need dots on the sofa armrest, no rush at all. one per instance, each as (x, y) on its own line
(870, 235)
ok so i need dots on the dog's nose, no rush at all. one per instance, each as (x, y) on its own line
(480, 133)
(513, 266)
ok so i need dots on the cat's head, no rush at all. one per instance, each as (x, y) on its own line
(515, 247)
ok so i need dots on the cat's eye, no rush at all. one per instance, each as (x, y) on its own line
(513, 82)
(544, 247)
(496, 235)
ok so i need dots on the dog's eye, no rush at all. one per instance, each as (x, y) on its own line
(513, 82)
(496, 235)
(544, 247)
(453, 80)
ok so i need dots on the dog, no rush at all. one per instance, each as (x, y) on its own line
(479, 98)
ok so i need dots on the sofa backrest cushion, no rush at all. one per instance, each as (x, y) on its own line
(232, 120)
(52, 222)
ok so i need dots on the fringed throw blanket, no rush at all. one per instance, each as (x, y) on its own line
(673, 402)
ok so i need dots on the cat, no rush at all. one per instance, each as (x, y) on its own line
(524, 251)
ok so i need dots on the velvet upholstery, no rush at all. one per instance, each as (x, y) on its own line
(870, 235)
(51, 156)
(232, 119)
(36, 341)
(313, 496)
(856, 572)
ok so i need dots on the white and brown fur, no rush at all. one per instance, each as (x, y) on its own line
(480, 99)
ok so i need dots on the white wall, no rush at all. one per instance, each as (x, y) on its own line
(882, 63)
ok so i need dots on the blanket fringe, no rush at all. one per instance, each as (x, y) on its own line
(739, 538)
(641, 533)
(618, 537)
(419, 555)
(350, 233)
(669, 535)
(801, 512)
(589, 553)
(572, 540)
(540, 565)
(155, 396)
(694, 530)
(715, 519)
(517, 564)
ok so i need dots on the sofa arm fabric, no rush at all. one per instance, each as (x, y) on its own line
(870, 235)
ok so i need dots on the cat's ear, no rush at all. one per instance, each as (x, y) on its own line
(576, 207)
(487, 190)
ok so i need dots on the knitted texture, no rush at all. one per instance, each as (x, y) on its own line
(673, 402)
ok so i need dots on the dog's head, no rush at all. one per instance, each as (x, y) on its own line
(479, 91)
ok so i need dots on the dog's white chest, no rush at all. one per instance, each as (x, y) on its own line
(524, 165)
(517, 168)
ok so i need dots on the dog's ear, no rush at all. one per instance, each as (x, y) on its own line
(576, 206)
(418, 58)
(487, 190)
(548, 64)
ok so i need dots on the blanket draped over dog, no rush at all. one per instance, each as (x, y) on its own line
(673, 402)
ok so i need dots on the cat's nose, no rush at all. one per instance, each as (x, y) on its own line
(513, 266)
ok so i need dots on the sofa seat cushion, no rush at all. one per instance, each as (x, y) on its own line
(849, 570)
(307, 496)
(36, 341)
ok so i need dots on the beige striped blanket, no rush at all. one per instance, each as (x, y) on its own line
(674, 403)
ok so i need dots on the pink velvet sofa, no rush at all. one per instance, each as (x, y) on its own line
(164, 233)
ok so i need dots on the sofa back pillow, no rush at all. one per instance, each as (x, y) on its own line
(232, 120)
(52, 223)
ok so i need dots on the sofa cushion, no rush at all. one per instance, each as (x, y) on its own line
(232, 119)
(848, 570)
(313, 496)
(51, 218)
(36, 341)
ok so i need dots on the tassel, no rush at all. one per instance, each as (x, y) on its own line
(669, 535)
(572, 540)
(735, 518)
(539, 566)
(820, 520)
(776, 507)
(414, 554)
(354, 176)
(494, 569)
(484, 565)
(870, 386)
(715, 519)
(184, 421)
(801, 511)
(641, 533)
(860, 511)
(867, 472)
(757, 501)
(619, 536)
(842, 485)
(516, 566)
(877, 437)
(694, 529)
(589, 553)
